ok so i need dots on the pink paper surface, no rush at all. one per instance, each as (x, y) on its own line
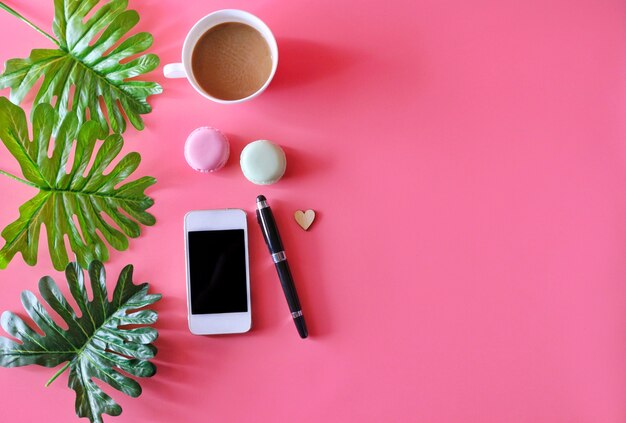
(467, 164)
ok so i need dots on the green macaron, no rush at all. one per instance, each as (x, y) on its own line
(263, 162)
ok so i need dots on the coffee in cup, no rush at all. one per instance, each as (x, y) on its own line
(229, 56)
(231, 61)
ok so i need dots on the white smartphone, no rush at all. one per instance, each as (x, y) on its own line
(218, 276)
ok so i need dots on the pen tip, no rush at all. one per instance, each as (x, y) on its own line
(260, 198)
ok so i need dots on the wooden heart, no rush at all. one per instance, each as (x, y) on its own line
(304, 219)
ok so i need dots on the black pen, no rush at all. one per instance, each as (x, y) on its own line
(272, 239)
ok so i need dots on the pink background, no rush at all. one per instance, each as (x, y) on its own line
(467, 162)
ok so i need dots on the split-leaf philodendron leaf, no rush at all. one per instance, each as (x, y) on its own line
(96, 344)
(94, 60)
(72, 195)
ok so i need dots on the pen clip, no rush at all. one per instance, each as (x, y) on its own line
(263, 228)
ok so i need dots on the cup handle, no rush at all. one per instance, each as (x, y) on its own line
(174, 70)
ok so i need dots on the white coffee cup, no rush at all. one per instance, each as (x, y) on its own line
(183, 70)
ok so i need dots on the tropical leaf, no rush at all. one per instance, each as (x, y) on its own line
(93, 60)
(96, 345)
(83, 192)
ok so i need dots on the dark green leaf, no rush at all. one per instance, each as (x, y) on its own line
(89, 58)
(95, 345)
(85, 193)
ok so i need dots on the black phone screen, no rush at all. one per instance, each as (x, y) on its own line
(217, 271)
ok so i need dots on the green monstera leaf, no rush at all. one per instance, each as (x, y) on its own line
(93, 60)
(96, 345)
(72, 201)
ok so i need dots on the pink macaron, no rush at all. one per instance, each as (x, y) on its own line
(207, 149)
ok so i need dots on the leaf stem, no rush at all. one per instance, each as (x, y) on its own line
(24, 181)
(29, 23)
(57, 374)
